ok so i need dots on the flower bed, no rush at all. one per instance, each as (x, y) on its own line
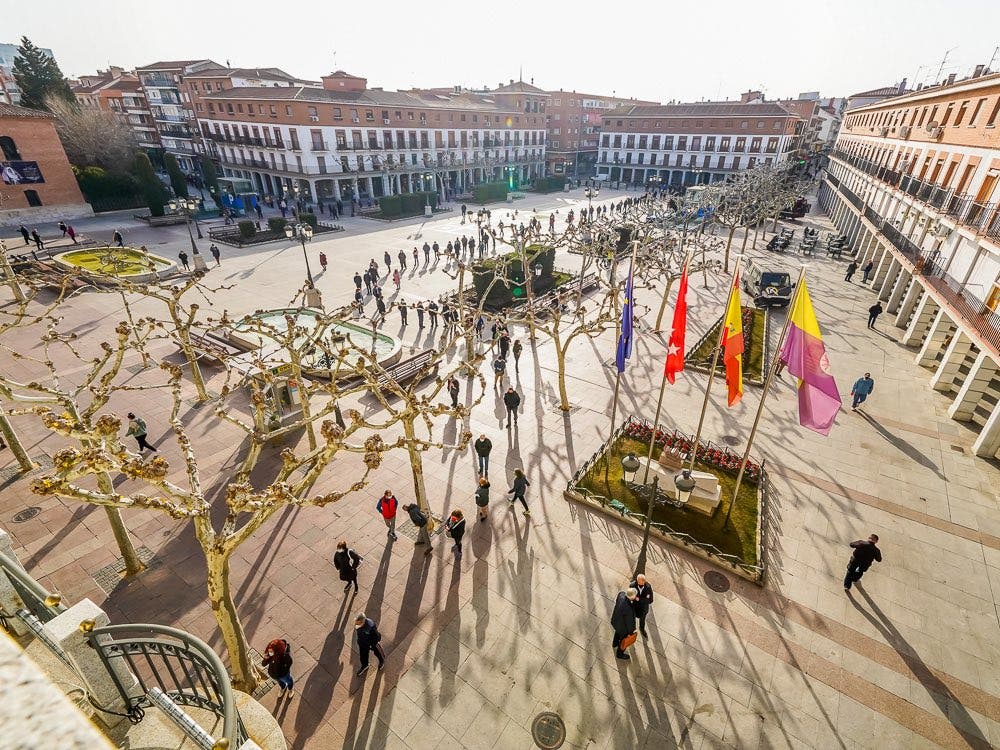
(708, 453)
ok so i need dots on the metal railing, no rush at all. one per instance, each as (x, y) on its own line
(36, 600)
(181, 666)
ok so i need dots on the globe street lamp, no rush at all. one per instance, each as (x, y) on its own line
(188, 207)
(427, 176)
(303, 233)
(684, 485)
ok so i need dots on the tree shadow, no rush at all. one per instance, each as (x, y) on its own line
(911, 452)
(940, 693)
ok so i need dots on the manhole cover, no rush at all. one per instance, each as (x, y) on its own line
(548, 730)
(716, 581)
(730, 440)
(27, 514)
(958, 448)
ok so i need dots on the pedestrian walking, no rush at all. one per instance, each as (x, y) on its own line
(422, 522)
(483, 498)
(62, 227)
(472, 247)
(366, 632)
(483, 446)
(516, 350)
(504, 344)
(278, 660)
(866, 552)
(455, 528)
(25, 233)
(402, 312)
(511, 400)
(453, 389)
(387, 505)
(38, 239)
(873, 312)
(184, 260)
(380, 305)
(322, 261)
(259, 210)
(416, 257)
(427, 252)
(359, 300)
(118, 239)
(358, 281)
(520, 486)
(71, 233)
(388, 261)
(432, 311)
(851, 268)
(861, 390)
(420, 315)
(643, 601)
(214, 250)
(137, 429)
(499, 368)
(368, 281)
(464, 209)
(346, 561)
(397, 280)
(866, 271)
(402, 259)
(480, 325)
(623, 623)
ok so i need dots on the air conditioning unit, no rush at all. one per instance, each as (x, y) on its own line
(355, 120)
(904, 131)
(385, 120)
(936, 133)
(931, 125)
(314, 118)
(884, 131)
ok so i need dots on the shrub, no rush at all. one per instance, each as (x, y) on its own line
(310, 219)
(151, 187)
(177, 181)
(247, 229)
(277, 223)
(501, 295)
(391, 206)
(549, 184)
(490, 192)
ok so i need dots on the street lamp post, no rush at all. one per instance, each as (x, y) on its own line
(303, 233)
(684, 485)
(188, 207)
(428, 211)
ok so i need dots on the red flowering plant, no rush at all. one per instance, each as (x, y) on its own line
(721, 458)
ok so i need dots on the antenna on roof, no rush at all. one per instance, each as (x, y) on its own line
(335, 59)
(520, 74)
(227, 63)
(944, 59)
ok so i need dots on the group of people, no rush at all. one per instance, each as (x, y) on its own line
(33, 237)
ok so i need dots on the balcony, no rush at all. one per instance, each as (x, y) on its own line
(319, 146)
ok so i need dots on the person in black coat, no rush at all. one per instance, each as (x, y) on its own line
(347, 561)
(366, 631)
(278, 660)
(511, 400)
(623, 620)
(865, 553)
(643, 599)
(456, 530)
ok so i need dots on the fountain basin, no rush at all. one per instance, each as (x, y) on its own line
(117, 262)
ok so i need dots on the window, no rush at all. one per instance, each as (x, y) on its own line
(710, 143)
(618, 141)
(777, 125)
(741, 144)
(696, 143)
(760, 124)
(273, 110)
(991, 123)
(744, 124)
(772, 145)
(317, 140)
(32, 197)
(239, 107)
(229, 108)
(370, 115)
(682, 143)
(288, 110)
(755, 145)
(668, 143)
(313, 112)
(630, 141)
(656, 143)
(975, 112)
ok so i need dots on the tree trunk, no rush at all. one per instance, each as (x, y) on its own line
(14, 443)
(192, 359)
(561, 362)
(663, 304)
(729, 243)
(135, 332)
(416, 464)
(304, 400)
(245, 675)
(133, 565)
(9, 276)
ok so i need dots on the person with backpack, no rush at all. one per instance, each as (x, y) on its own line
(521, 485)
(483, 498)
(455, 528)
(387, 505)
(278, 660)
(137, 429)
(366, 631)
(422, 522)
(346, 561)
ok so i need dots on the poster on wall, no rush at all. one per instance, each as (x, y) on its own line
(21, 173)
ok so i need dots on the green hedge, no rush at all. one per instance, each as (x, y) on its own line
(277, 223)
(501, 295)
(310, 219)
(247, 229)
(391, 206)
(549, 184)
(490, 192)
(406, 204)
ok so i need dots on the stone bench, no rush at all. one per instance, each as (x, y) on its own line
(707, 492)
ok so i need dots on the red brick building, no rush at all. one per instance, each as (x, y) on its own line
(36, 182)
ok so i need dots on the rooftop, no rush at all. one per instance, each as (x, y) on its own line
(224, 72)
(368, 97)
(12, 110)
(703, 109)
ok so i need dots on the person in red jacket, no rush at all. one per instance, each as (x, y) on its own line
(387, 506)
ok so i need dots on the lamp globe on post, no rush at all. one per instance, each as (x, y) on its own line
(630, 465)
(684, 485)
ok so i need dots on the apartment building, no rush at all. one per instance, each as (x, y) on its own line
(913, 181)
(341, 139)
(687, 144)
(574, 130)
(119, 91)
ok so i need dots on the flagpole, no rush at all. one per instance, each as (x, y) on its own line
(767, 386)
(659, 399)
(618, 374)
(715, 359)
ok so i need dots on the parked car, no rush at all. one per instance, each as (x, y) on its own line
(767, 287)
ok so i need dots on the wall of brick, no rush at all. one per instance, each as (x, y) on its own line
(36, 140)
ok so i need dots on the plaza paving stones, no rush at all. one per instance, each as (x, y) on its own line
(476, 650)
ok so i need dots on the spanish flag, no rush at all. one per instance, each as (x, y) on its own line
(732, 343)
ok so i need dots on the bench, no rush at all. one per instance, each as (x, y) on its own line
(407, 370)
(212, 346)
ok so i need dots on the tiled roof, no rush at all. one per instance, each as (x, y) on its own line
(368, 97)
(520, 87)
(221, 72)
(12, 110)
(884, 91)
(708, 109)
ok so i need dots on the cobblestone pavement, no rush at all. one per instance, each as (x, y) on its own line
(475, 650)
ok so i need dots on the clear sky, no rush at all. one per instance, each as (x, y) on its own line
(647, 49)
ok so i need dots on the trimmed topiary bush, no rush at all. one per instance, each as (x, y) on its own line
(309, 219)
(549, 184)
(391, 206)
(277, 223)
(490, 192)
(247, 229)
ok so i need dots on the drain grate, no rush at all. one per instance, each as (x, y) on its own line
(548, 730)
(716, 581)
(405, 527)
(10, 474)
(27, 514)
(110, 576)
(957, 448)
(730, 440)
(256, 657)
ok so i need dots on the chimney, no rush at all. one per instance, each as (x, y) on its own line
(978, 71)
(951, 78)
(920, 86)
(902, 86)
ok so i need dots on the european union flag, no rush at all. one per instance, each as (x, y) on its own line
(625, 339)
